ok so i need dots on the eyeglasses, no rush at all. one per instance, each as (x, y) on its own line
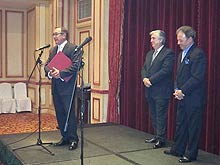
(56, 34)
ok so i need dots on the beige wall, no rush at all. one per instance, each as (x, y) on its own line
(25, 30)
(13, 58)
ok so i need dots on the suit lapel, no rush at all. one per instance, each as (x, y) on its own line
(179, 64)
(158, 55)
(54, 51)
(66, 48)
(182, 64)
(150, 59)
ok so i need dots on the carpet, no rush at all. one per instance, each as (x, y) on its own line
(25, 122)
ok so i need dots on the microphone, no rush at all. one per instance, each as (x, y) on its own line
(42, 47)
(86, 41)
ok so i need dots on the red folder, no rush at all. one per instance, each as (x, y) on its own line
(61, 62)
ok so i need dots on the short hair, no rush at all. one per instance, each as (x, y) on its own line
(64, 30)
(188, 31)
(161, 34)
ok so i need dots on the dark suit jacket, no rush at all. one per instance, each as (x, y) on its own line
(190, 76)
(58, 86)
(160, 73)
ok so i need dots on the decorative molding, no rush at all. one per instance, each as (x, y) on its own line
(69, 15)
(96, 112)
(62, 13)
(12, 81)
(29, 12)
(86, 50)
(98, 41)
(77, 13)
(98, 91)
(7, 12)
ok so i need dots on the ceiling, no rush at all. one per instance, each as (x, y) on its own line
(19, 4)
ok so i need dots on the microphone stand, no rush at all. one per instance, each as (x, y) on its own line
(80, 66)
(39, 141)
(82, 110)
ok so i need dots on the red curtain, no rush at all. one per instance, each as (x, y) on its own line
(141, 17)
(208, 39)
(115, 58)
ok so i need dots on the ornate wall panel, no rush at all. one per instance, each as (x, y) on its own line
(14, 32)
(96, 113)
(31, 39)
(86, 56)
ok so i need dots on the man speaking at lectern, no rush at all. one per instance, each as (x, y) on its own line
(61, 88)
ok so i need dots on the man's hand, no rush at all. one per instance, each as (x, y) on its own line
(178, 94)
(55, 73)
(147, 82)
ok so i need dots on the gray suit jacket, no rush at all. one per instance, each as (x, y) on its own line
(160, 73)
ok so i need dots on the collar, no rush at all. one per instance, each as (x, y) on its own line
(187, 49)
(159, 49)
(61, 46)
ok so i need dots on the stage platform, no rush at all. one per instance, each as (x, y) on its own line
(104, 144)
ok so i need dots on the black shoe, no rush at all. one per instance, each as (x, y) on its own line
(185, 159)
(159, 144)
(61, 143)
(73, 145)
(173, 153)
(152, 140)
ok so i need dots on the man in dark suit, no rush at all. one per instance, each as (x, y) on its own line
(190, 94)
(157, 74)
(62, 90)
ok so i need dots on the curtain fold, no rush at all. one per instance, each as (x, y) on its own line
(208, 39)
(116, 15)
(141, 17)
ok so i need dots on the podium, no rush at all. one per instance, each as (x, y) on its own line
(78, 103)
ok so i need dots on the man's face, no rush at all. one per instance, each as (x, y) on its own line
(183, 41)
(58, 36)
(156, 41)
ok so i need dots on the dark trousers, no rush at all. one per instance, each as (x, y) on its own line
(61, 103)
(158, 111)
(188, 130)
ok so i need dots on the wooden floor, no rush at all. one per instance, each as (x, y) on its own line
(104, 144)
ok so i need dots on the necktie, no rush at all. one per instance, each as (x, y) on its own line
(183, 55)
(59, 49)
(154, 56)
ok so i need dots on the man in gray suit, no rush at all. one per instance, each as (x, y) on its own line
(62, 90)
(157, 77)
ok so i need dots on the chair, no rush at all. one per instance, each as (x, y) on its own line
(7, 102)
(23, 102)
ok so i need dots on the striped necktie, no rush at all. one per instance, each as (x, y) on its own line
(183, 55)
(154, 56)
